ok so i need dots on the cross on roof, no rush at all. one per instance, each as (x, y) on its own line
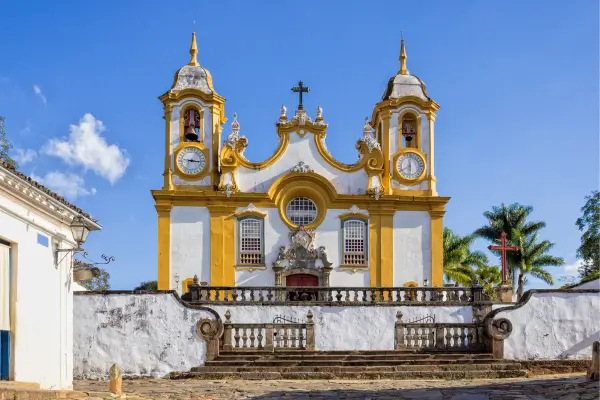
(300, 89)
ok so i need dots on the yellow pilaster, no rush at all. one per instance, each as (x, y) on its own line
(431, 181)
(164, 246)
(387, 183)
(381, 250)
(222, 246)
(437, 247)
(168, 181)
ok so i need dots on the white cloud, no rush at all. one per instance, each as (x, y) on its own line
(24, 156)
(38, 93)
(67, 184)
(572, 269)
(87, 147)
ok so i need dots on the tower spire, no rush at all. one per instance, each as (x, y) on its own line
(194, 51)
(403, 57)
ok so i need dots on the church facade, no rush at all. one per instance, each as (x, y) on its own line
(301, 217)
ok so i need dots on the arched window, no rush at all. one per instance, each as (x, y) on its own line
(354, 232)
(250, 241)
(410, 131)
(301, 211)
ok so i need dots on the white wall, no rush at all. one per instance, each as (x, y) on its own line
(153, 334)
(302, 149)
(42, 293)
(412, 247)
(148, 335)
(553, 325)
(190, 244)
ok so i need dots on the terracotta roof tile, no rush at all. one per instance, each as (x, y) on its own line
(11, 168)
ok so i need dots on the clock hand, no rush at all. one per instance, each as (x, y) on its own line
(190, 160)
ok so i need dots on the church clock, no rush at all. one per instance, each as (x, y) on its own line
(409, 167)
(191, 162)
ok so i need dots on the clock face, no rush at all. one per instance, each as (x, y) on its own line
(410, 166)
(191, 160)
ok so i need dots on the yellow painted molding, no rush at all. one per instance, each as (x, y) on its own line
(222, 245)
(354, 268)
(374, 249)
(437, 247)
(250, 213)
(386, 262)
(251, 268)
(411, 284)
(354, 215)
(167, 174)
(172, 97)
(164, 246)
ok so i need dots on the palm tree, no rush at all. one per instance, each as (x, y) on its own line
(509, 219)
(489, 276)
(459, 260)
(532, 258)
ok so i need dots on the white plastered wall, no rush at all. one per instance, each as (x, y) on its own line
(412, 247)
(41, 293)
(174, 121)
(301, 149)
(190, 244)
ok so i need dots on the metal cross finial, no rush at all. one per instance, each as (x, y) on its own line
(300, 89)
(503, 249)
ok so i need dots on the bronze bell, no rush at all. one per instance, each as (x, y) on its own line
(190, 134)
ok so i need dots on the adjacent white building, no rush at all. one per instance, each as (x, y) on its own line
(36, 280)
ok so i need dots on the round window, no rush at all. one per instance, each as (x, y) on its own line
(301, 211)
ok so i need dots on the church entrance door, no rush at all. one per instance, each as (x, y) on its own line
(304, 280)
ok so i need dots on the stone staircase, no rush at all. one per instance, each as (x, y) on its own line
(397, 364)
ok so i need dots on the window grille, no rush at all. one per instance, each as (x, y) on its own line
(251, 241)
(355, 239)
(301, 211)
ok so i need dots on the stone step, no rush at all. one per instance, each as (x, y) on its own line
(353, 357)
(356, 369)
(447, 375)
(37, 394)
(324, 363)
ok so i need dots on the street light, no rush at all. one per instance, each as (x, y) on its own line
(80, 232)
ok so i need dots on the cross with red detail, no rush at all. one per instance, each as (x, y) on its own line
(504, 248)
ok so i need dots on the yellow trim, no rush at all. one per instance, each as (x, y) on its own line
(437, 247)
(374, 247)
(250, 213)
(184, 109)
(381, 249)
(386, 180)
(184, 285)
(431, 180)
(164, 246)
(222, 243)
(411, 284)
(417, 119)
(354, 215)
(354, 268)
(404, 180)
(168, 172)
(251, 267)
(200, 175)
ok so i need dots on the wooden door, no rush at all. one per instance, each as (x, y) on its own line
(302, 280)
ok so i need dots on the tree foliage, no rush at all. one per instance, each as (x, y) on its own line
(510, 219)
(459, 260)
(589, 223)
(99, 282)
(149, 285)
(5, 145)
(490, 277)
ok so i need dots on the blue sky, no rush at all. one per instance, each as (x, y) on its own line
(517, 83)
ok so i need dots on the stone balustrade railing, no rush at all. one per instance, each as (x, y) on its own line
(268, 336)
(453, 337)
(335, 296)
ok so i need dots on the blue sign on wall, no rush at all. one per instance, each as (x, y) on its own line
(43, 240)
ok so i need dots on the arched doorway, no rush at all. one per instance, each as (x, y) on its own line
(302, 280)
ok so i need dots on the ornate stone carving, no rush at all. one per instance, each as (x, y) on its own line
(283, 112)
(376, 192)
(228, 189)
(368, 138)
(192, 77)
(302, 117)
(234, 137)
(302, 168)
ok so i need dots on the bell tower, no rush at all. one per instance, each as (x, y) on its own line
(194, 114)
(404, 119)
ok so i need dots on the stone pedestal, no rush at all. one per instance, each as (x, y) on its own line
(504, 293)
(594, 369)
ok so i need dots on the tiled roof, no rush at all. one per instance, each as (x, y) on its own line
(11, 168)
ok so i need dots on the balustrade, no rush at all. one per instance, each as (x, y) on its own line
(342, 296)
(268, 336)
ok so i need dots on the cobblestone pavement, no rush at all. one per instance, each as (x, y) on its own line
(562, 387)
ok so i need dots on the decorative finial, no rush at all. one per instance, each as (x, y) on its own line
(403, 57)
(319, 113)
(235, 125)
(283, 112)
(194, 51)
(368, 128)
